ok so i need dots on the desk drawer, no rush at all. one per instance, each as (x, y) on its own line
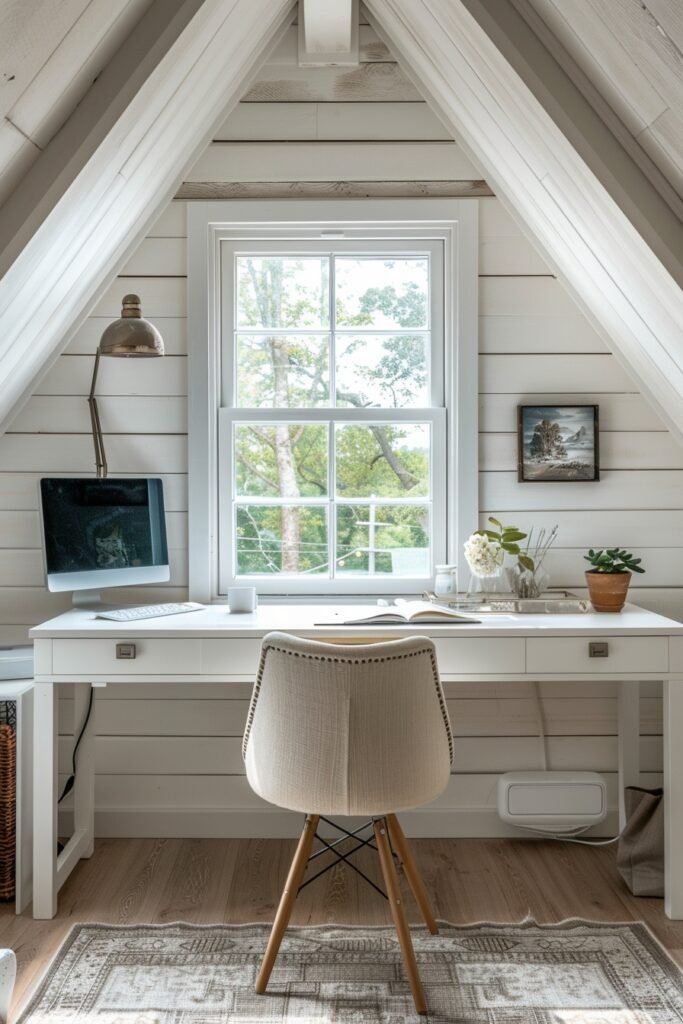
(472, 656)
(152, 657)
(566, 655)
(238, 657)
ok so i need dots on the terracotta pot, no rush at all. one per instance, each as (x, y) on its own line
(608, 589)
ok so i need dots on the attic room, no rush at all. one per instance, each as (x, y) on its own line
(341, 505)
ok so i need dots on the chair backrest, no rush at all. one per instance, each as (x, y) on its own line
(347, 729)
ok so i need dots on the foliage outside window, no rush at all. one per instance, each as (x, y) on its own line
(333, 431)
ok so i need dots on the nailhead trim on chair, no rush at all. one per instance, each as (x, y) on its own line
(345, 661)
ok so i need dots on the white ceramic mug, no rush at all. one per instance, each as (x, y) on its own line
(242, 599)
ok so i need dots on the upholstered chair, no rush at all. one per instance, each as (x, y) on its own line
(336, 729)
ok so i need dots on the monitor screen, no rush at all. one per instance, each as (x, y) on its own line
(107, 532)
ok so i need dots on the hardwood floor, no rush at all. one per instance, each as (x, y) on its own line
(130, 881)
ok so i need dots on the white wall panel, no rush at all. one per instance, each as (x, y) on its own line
(371, 83)
(617, 411)
(616, 489)
(514, 334)
(222, 755)
(530, 373)
(122, 414)
(470, 716)
(332, 161)
(73, 453)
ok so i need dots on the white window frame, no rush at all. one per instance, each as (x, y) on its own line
(214, 228)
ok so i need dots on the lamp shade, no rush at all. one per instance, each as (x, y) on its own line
(131, 335)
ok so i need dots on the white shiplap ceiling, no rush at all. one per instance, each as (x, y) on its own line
(631, 52)
(51, 51)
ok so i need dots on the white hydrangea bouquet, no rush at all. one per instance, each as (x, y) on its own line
(485, 550)
(484, 557)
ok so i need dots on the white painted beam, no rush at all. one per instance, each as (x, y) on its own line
(121, 186)
(626, 291)
(328, 32)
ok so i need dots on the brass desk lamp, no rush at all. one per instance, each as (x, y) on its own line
(130, 336)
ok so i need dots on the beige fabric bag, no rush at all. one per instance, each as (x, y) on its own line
(640, 855)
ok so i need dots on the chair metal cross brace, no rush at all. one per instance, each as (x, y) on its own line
(344, 857)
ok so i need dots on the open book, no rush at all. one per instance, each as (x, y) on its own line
(403, 613)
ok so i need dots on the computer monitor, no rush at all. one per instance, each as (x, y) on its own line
(103, 533)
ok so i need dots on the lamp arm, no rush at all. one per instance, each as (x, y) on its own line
(96, 427)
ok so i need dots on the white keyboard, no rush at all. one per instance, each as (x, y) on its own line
(149, 611)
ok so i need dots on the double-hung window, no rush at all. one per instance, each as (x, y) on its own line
(332, 464)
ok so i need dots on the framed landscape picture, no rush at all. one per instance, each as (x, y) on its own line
(558, 443)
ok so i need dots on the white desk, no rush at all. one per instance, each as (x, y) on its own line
(214, 646)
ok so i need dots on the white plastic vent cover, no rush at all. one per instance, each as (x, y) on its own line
(552, 802)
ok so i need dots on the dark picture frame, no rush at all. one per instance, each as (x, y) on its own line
(558, 443)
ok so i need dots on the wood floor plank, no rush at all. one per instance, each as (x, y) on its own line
(130, 881)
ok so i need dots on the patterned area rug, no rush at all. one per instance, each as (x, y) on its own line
(574, 973)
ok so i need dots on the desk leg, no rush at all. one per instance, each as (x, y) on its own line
(84, 787)
(629, 741)
(673, 798)
(44, 801)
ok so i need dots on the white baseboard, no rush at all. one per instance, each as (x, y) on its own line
(225, 823)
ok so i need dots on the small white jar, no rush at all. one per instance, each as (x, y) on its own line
(445, 580)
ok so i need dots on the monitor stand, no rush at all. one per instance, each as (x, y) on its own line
(88, 600)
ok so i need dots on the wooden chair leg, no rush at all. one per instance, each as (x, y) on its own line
(394, 893)
(287, 900)
(400, 844)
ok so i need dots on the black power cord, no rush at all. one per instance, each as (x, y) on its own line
(69, 784)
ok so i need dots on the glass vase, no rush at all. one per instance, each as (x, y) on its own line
(480, 586)
(528, 584)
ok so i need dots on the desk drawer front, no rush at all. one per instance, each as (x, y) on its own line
(152, 657)
(573, 654)
(468, 656)
(238, 657)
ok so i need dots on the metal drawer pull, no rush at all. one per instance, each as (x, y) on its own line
(598, 649)
(125, 651)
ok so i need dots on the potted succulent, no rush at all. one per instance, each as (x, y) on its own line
(610, 576)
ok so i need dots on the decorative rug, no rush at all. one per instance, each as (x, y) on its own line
(574, 973)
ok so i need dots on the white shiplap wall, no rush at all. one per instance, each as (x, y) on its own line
(168, 758)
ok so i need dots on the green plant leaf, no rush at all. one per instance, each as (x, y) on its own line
(526, 562)
(510, 534)
(495, 522)
(512, 549)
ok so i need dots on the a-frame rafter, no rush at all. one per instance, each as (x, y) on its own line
(113, 198)
(620, 284)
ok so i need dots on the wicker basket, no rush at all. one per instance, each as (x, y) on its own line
(8, 810)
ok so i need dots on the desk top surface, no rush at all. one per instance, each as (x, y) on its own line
(327, 620)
